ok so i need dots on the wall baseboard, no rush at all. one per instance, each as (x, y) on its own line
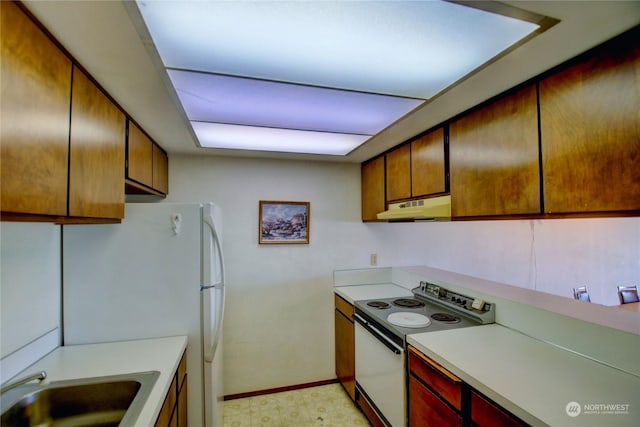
(280, 389)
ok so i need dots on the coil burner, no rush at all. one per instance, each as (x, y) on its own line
(378, 304)
(408, 303)
(444, 317)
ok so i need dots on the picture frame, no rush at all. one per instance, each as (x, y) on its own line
(282, 222)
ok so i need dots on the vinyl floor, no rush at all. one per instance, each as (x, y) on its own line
(323, 406)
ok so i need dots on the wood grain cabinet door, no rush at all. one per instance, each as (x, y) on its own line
(428, 164)
(373, 193)
(139, 156)
(345, 346)
(97, 152)
(399, 173)
(494, 158)
(590, 128)
(36, 92)
(160, 170)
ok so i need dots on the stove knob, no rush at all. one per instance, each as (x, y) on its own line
(464, 302)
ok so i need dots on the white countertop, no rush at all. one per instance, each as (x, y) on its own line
(535, 380)
(95, 360)
(354, 293)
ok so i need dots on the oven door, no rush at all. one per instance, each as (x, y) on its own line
(380, 371)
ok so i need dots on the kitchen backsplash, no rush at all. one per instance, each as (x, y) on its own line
(30, 288)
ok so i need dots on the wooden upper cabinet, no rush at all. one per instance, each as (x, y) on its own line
(494, 158)
(428, 164)
(97, 152)
(36, 91)
(373, 194)
(590, 128)
(139, 156)
(160, 170)
(399, 173)
(147, 164)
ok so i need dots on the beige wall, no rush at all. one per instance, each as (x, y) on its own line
(279, 318)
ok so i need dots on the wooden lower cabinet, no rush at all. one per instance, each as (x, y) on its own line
(485, 413)
(345, 346)
(435, 394)
(174, 408)
(427, 409)
(437, 397)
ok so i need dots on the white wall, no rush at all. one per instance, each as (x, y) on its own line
(30, 283)
(279, 315)
(552, 256)
(279, 319)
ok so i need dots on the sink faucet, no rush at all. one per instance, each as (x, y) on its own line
(40, 376)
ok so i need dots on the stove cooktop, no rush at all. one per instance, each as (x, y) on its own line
(432, 308)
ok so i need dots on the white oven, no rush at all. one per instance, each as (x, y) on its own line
(381, 327)
(380, 367)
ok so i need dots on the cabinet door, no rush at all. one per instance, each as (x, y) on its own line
(485, 413)
(373, 194)
(36, 92)
(399, 173)
(160, 170)
(590, 126)
(427, 410)
(494, 158)
(428, 164)
(345, 352)
(139, 156)
(97, 152)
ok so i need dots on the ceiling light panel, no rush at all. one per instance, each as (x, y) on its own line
(404, 48)
(216, 135)
(234, 100)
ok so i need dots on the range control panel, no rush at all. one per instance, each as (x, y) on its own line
(478, 308)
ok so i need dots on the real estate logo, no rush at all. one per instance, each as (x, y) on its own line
(573, 409)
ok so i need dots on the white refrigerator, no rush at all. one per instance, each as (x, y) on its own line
(158, 273)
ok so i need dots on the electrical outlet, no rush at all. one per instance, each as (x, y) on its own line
(374, 259)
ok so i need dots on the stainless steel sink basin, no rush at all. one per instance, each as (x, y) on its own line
(100, 401)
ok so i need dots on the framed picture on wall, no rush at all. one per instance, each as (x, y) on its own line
(283, 222)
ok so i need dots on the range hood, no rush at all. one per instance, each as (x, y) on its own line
(434, 209)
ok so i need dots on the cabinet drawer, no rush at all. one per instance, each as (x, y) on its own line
(427, 409)
(344, 307)
(486, 413)
(165, 418)
(443, 382)
(182, 370)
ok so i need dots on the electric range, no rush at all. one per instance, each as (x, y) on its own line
(432, 308)
(381, 327)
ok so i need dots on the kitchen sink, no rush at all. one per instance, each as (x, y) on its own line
(99, 401)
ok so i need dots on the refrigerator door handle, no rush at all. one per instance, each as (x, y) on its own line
(208, 220)
(209, 353)
(215, 333)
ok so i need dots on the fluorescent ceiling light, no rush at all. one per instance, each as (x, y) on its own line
(271, 139)
(234, 100)
(351, 67)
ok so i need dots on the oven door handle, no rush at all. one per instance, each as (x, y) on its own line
(379, 335)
